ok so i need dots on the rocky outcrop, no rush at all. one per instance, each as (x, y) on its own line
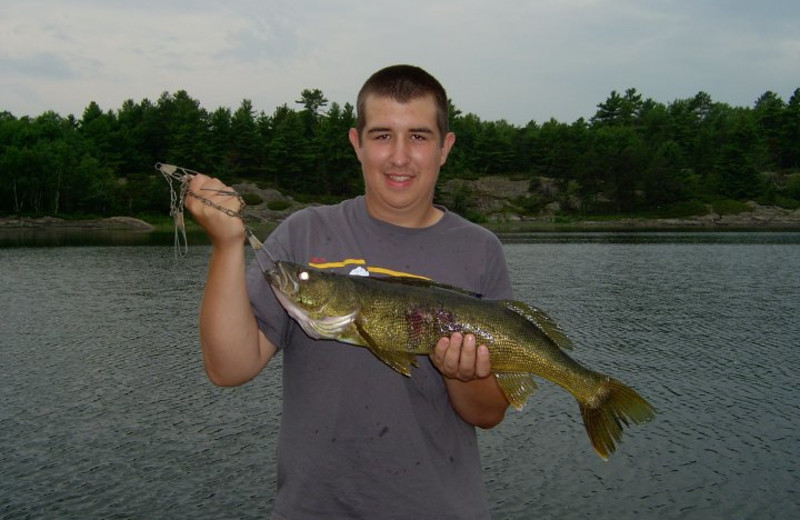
(499, 199)
(266, 204)
(112, 223)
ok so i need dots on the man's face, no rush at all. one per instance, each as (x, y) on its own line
(401, 152)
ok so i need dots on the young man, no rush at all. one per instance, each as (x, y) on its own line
(357, 439)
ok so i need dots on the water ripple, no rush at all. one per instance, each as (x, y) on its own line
(107, 412)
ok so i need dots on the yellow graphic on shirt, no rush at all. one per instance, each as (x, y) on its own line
(362, 262)
(334, 265)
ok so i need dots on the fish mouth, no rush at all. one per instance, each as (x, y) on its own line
(285, 287)
(282, 279)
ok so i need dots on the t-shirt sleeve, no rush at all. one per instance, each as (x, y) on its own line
(272, 319)
(496, 283)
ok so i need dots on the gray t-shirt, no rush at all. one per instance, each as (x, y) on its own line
(357, 439)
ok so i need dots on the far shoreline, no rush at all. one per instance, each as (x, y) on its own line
(54, 223)
(762, 219)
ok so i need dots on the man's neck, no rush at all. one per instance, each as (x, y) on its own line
(425, 217)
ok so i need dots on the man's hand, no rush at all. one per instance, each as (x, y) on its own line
(223, 229)
(466, 368)
(458, 357)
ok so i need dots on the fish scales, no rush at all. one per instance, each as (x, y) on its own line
(414, 318)
(400, 318)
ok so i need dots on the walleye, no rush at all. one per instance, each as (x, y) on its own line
(399, 318)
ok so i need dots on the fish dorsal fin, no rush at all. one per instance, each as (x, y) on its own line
(424, 283)
(544, 322)
(398, 360)
(516, 386)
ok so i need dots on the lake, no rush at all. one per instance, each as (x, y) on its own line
(107, 413)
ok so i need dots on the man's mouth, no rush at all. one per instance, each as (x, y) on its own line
(399, 178)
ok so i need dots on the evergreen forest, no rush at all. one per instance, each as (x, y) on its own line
(634, 155)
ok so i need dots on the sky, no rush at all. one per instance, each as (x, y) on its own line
(517, 60)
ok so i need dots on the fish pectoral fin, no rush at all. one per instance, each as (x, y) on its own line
(330, 327)
(398, 360)
(517, 387)
(545, 323)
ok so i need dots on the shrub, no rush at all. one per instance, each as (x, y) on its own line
(729, 207)
(793, 186)
(251, 199)
(278, 205)
(787, 203)
(683, 209)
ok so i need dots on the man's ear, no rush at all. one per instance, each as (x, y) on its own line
(355, 142)
(449, 141)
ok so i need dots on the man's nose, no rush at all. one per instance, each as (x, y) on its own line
(400, 152)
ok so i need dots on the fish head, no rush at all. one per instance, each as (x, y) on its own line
(324, 304)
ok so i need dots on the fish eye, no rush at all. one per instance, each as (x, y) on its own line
(303, 276)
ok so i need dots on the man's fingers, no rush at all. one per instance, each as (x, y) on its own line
(440, 351)
(459, 357)
(466, 369)
(483, 365)
(452, 355)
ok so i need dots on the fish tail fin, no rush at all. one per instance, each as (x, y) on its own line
(612, 406)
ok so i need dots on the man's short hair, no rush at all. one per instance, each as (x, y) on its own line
(404, 83)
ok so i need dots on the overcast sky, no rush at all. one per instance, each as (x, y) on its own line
(518, 60)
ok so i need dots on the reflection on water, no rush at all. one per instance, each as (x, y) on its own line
(665, 237)
(107, 413)
(34, 237)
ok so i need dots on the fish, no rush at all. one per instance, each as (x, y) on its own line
(401, 318)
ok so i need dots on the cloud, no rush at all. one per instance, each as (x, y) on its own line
(42, 65)
(524, 60)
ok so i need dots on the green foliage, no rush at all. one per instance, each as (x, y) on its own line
(793, 186)
(685, 209)
(461, 201)
(530, 205)
(279, 205)
(786, 202)
(461, 198)
(729, 207)
(633, 155)
(251, 199)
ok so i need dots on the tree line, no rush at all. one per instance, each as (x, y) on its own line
(633, 154)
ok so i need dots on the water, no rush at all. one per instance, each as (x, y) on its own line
(708, 328)
(106, 411)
